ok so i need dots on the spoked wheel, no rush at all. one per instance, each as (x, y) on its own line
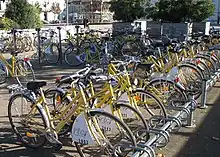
(57, 103)
(116, 139)
(3, 73)
(146, 103)
(52, 53)
(134, 120)
(26, 123)
(191, 77)
(130, 48)
(24, 72)
(168, 92)
(72, 57)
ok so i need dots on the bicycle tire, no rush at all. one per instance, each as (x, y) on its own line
(17, 131)
(51, 53)
(3, 72)
(210, 63)
(71, 58)
(144, 124)
(181, 93)
(23, 66)
(195, 92)
(93, 113)
(56, 108)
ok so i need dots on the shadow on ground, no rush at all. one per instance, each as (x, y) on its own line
(205, 142)
(11, 147)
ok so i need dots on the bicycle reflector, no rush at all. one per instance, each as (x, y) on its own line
(26, 59)
(28, 134)
(213, 54)
(198, 61)
(58, 79)
(177, 79)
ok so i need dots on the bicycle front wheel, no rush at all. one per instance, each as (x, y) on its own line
(24, 72)
(3, 73)
(71, 57)
(52, 53)
(26, 125)
(118, 138)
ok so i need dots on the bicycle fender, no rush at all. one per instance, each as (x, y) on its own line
(44, 114)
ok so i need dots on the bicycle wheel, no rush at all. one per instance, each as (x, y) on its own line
(27, 44)
(51, 53)
(71, 57)
(27, 126)
(20, 44)
(118, 138)
(24, 72)
(57, 102)
(131, 47)
(210, 64)
(191, 77)
(169, 92)
(3, 73)
(134, 120)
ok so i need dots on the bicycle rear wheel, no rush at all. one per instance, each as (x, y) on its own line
(71, 57)
(191, 77)
(24, 72)
(57, 103)
(27, 126)
(118, 141)
(3, 73)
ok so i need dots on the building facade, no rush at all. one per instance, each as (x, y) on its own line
(94, 10)
(215, 18)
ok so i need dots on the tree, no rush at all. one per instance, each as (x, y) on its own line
(183, 10)
(23, 13)
(128, 10)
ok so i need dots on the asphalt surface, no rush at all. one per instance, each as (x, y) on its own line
(201, 141)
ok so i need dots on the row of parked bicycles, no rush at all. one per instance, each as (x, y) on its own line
(111, 107)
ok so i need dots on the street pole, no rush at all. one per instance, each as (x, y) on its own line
(67, 12)
(218, 16)
(101, 11)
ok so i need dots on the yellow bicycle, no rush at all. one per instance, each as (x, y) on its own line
(20, 69)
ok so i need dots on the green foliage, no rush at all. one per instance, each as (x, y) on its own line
(183, 10)
(7, 24)
(23, 13)
(128, 10)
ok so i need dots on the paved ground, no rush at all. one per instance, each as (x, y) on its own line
(202, 141)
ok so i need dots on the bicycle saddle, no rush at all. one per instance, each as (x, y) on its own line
(146, 67)
(34, 85)
(15, 52)
(43, 38)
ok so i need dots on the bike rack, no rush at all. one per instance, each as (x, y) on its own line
(60, 45)
(38, 45)
(183, 116)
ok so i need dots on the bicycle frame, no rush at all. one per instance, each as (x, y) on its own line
(10, 67)
(70, 110)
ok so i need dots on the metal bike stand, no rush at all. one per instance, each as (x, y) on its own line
(203, 95)
(38, 45)
(77, 38)
(60, 46)
(190, 122)
(168, 126)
